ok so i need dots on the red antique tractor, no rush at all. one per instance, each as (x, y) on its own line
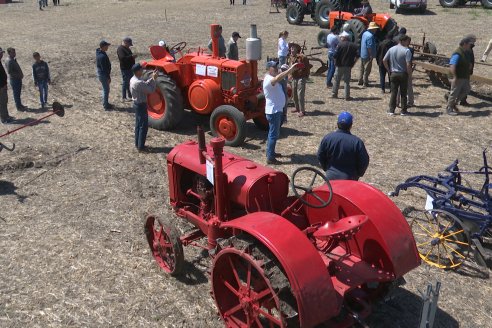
(227, 90)
(323, 255)
(358, 24)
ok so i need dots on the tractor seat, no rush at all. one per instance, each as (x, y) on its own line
(158, 53)
(342, 229)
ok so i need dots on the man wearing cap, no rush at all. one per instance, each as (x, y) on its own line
(368, 48)
(341, 154)
(16, 76)
(127, 60)
(366, 9)
(222, 46)
(232, 51)
(274, 105)
(140, 89)
(398, 63)
(103, 65)
(460, 67)
(345, 57)
(4, 113)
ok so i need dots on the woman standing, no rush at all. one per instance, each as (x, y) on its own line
(283, 47)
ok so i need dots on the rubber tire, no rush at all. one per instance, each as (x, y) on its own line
(392, 6)
(431, 47)
(391, 27)
(323, 5)
(238, 118)
(294, 13)
(322, 38)
(487, 4)
(449, 3)
(174, 103)
(357, 28)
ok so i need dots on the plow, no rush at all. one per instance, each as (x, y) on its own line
(325, 254)
(57, 109)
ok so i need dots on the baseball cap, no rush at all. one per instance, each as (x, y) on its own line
(137, 67)
(162, 43)
(284, 67)
(236, 34)
(402, 31)
(345, 118)
(271, 63)
(104, 43)
(128, 40)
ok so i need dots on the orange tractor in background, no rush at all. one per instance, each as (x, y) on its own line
(227, 90)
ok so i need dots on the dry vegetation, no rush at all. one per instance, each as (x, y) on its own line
(72, 248)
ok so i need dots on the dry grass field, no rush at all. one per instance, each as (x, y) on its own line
(72, 195)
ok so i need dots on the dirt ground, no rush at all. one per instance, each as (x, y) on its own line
(73, 193)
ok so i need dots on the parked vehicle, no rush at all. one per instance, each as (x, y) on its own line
(402, 5)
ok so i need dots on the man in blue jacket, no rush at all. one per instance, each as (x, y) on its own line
(341, 154)
(368, 50)
(103, 65)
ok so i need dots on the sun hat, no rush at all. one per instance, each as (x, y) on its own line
(373, 26)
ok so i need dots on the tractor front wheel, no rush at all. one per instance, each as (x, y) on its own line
(165, 104)
(294, 13)
(228, 122)
(165, 245)
(250, 288)
(322, 12)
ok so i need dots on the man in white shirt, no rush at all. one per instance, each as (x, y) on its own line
(274, 105)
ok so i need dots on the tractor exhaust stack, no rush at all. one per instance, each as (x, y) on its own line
(214, 34)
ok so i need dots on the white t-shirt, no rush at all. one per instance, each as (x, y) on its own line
(274, 96)
(283, 47)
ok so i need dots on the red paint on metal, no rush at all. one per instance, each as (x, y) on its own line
(308, 276)
(214, 34)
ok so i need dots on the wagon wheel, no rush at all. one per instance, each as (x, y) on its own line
(309, 189)
(165, 244)
(249, 287)
(441, 238)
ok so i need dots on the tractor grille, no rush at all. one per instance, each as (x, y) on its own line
(228, 80)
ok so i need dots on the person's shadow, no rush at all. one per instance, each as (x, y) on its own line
(8, 188)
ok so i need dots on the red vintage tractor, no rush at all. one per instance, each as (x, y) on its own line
(319, 10)
(323, 255)
(227, 90)
(358, 24)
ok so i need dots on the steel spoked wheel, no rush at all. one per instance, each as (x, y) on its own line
(165, 245)
(250, 289)
(441, 238)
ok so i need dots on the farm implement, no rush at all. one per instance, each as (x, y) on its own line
(456, 217)
(325, 254)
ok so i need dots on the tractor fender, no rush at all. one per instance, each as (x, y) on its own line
(311, 284)
(387, 225)
(166, 67)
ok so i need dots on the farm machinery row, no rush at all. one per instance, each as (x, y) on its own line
(325, 254)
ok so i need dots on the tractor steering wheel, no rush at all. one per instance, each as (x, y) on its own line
(178, 47)
(309, 190)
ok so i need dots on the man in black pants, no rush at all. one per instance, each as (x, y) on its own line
(398, 63)
(341, 154)
(56, 2)
(127, 60)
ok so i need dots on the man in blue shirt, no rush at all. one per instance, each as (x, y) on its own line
(331, 43)
(368, 50)
(341, 154)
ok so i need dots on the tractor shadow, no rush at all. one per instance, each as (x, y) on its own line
(192, 275)
(403, 309)
(8, 188)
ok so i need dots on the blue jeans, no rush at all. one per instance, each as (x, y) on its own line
(105, 90)
(382, 77)
(126, 75)
(43, 92)
(274, 121)
(282, 60)
(331, 68)
(16, 90)
(141, 124)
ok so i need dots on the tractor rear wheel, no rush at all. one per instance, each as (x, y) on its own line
(228, 122)
(250, 288)
(165, 104)
(294, 13)
(165, 244)
(357, 28)
(391, 28)
(487, 4)
(449, 3)
(322, 12)
(322, 38)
